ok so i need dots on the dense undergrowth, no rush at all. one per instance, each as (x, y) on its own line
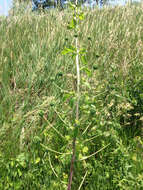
(37, 101)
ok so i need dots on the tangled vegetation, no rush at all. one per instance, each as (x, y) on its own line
(37, 101)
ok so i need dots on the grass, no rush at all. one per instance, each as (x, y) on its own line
(36, 94)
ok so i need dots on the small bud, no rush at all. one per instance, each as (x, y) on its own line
(41, 113)
(51, 104)
(89, 38)
(60, 74)
(97, 56)
(95, 67)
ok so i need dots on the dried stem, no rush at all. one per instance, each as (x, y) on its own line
(82, 180)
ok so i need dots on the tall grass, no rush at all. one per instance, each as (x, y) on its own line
(36, 95)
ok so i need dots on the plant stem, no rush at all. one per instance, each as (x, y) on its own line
(77, 106)
(78, 80)
(72, 164)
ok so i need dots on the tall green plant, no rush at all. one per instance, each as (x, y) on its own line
(75, 51)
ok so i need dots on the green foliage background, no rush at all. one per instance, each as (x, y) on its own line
(37, 96)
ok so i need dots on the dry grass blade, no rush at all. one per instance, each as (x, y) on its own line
(86, 157)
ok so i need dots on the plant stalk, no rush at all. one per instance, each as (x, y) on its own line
(77, 110)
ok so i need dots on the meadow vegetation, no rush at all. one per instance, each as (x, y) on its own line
(37, 101)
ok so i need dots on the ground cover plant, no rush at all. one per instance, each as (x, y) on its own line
(37, 101)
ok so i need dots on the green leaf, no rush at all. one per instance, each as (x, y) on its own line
(37, 139)
(69, 50)
(81, 16)
(86, 70)
(12, 163)
(66, 51)
(72, 6)
(37, 160)
(82, 51)
(85, 149)
(83, 59)
(72, 24)
(67, 96)
(23, 164)
(21, 159)
(19, 173)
